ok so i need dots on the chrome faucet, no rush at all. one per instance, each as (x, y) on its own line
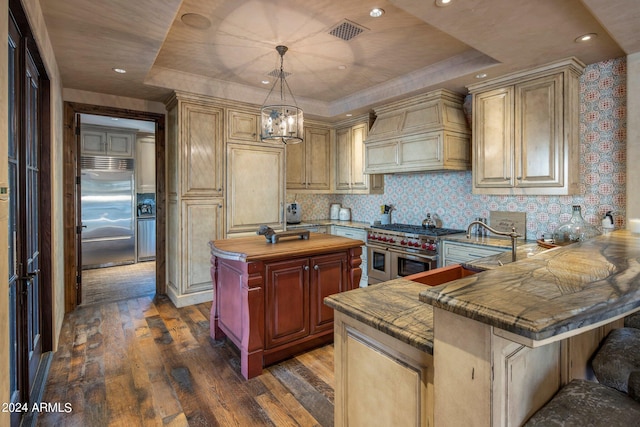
(513, 235)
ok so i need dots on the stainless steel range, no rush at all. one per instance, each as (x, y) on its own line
(398, 250)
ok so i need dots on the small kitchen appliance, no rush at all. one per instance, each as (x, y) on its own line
(334, 211)
(294, 214)
(344, 214)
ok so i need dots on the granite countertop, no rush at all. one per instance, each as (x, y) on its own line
(554, 292)
(391, 307)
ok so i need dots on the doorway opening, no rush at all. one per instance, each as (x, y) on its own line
(117, 208)
(100, 158)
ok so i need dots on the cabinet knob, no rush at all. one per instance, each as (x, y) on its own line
(316, 267)
(306, 268)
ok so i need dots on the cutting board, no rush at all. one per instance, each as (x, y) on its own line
(504, 221)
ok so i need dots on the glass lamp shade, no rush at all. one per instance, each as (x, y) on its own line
(577, 229)
(282, 123)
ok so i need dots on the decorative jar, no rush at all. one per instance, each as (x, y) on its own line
(577, 229)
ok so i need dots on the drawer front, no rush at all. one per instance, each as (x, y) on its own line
(456, 253)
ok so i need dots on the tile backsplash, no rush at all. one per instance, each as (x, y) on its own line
(602, 172)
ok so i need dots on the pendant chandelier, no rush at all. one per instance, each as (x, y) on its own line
(281, 122)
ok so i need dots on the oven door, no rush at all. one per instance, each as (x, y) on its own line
(405, 264)
(378, 264)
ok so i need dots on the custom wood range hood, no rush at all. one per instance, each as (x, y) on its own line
(424, 133)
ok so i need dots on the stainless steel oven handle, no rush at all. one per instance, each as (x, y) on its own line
(411, 254)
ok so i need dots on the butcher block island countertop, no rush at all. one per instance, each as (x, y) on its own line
(268, 297)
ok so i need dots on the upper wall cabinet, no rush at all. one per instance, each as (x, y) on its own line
(196, 153)
(242, 126)
(420, 134)
(145, 163)
(309, 162)
(350, 177)
(105, 141)
(526, 131)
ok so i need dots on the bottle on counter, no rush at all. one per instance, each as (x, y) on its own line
(607, 222)
(577, 229)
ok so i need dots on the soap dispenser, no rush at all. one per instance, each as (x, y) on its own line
(607, 222)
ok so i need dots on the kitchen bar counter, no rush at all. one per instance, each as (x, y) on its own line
(553, 294)
(391, 307)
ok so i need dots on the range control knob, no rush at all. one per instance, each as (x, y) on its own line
(403, 242)
(392, 240)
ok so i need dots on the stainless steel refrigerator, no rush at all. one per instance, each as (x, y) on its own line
(107, 204)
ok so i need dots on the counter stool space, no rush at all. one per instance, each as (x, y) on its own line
(615, 401)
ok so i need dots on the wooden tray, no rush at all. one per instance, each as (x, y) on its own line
(546, 245)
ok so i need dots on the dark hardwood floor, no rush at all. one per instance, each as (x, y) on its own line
(100, 285)
(144, 362)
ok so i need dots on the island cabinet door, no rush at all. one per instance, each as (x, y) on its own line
(286, 301)
(328, 276)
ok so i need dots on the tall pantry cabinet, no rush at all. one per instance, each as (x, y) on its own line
(195, 195)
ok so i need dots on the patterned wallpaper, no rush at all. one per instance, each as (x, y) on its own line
(602, 171)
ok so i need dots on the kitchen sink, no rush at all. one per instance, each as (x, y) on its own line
(441, 275)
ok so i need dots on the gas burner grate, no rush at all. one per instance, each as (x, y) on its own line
(418, 229)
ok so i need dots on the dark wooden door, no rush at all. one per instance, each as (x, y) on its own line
(328, 277)
(25, 285)
(286, 301)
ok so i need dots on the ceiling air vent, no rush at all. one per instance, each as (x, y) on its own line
(346, 30)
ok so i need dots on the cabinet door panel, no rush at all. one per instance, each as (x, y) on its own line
(286, 301)
(202, 223)
(120, 144)
(318, 146)
(296, 171)
(358, 179)
(328, 276)
(493, 138)
(94, 143)
(255, 195)
(202, 145)
(343, 159)
(243, 126)
(538, 112)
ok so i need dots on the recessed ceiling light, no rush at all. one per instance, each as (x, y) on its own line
(376, 12)
(195, 20)
(342, 67)
(586, 37)
(265, 82)
(481, 75)
(114, 118)
(119, 70)
(443, 3)
(349, 114)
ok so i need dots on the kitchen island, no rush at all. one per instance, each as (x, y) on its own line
(268, 298)
(505, 340)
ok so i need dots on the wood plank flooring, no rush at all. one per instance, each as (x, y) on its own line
(100, 285)
(144, 362)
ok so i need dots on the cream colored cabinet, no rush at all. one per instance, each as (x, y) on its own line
(104, 141)
(195, 195)
(350, 153)
(309, 163)
(255, 187)
(145, 163)
(357, 234)
(424, 133)
(458, 253)
(242, 126)
(526, 132)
